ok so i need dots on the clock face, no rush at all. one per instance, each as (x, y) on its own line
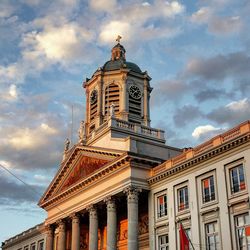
(93, 96)
(134, 92)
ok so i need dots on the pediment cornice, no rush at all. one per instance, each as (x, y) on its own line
(72, 158)
(117, 163)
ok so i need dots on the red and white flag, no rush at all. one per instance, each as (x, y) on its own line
(184, 242)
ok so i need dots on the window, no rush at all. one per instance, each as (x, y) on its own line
(41, 245)
(162, 205)
(182, 198)
(242, 225)
(212, 236)
(26, 248)
(208, 192)
(33, 246)
(163, 242)
(237, 179)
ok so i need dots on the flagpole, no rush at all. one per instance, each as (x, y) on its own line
(187, 235)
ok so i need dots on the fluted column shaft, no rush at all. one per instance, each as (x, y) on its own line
(61, 236)
(93, 228)
(75, 242)
(111, 224)
(49, 238)
(132, 202)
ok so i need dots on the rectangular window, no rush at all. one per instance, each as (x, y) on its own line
(242, 226)
(41, 245)
(33, 246)
(162, 205)
(212, 236)
(237, 179)
(163, 242)
(208, 191)
(182, 198)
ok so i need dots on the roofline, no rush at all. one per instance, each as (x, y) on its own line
(211, 148)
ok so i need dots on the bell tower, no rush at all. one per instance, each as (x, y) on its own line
(117, 100)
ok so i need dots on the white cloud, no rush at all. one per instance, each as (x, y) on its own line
(56, 43)
(103, 5)
(217, 24)
(241, 105)
(141, 21)
(13, 91)
(27, 138)
(200, 131)
(202, 15)
(114, 28)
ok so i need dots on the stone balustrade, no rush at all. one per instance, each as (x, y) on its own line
(126, 126)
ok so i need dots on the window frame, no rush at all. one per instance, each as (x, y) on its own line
(39, 244)
(165, 246)
(237, 228)
(165, 208)
(228, 168)
(33, 244)
(212, 196)
(185, 198)
(214, 235)
(233, 186)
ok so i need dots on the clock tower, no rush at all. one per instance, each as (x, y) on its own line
(117, 106)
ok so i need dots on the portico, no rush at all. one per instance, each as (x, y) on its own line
(67, 231)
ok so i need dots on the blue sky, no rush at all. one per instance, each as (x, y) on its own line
(197, 53)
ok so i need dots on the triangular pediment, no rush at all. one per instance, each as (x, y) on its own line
(81, 162)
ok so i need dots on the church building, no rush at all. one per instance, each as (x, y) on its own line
(99, 196)
(121, 187)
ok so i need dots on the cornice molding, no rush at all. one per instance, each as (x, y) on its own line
(67, 163)
(209, 154)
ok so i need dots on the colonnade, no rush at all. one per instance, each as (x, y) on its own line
(132, 210)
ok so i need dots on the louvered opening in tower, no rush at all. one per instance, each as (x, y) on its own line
(134, 109)
(93, 111)
(112, 96)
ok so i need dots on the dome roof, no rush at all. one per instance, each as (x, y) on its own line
(119, 64)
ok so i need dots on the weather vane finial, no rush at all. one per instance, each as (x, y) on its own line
(118, 39)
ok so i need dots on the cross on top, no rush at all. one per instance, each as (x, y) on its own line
(118, 39)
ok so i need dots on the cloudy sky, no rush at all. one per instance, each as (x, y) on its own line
(197, 53)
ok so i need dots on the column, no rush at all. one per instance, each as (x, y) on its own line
(62, 235)
(49, 237)
(75, 242)
(111, 224)
(132, 202)
(93, 228)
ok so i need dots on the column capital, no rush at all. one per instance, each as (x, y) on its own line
(61, 225)
(110, 202)
(75, 217)
(132, 193)
(92, 209)
(49, 228)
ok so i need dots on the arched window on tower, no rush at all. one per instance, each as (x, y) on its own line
(112, 96)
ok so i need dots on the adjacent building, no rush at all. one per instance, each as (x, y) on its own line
(205, 188)
(121, 187)
(32, 239)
